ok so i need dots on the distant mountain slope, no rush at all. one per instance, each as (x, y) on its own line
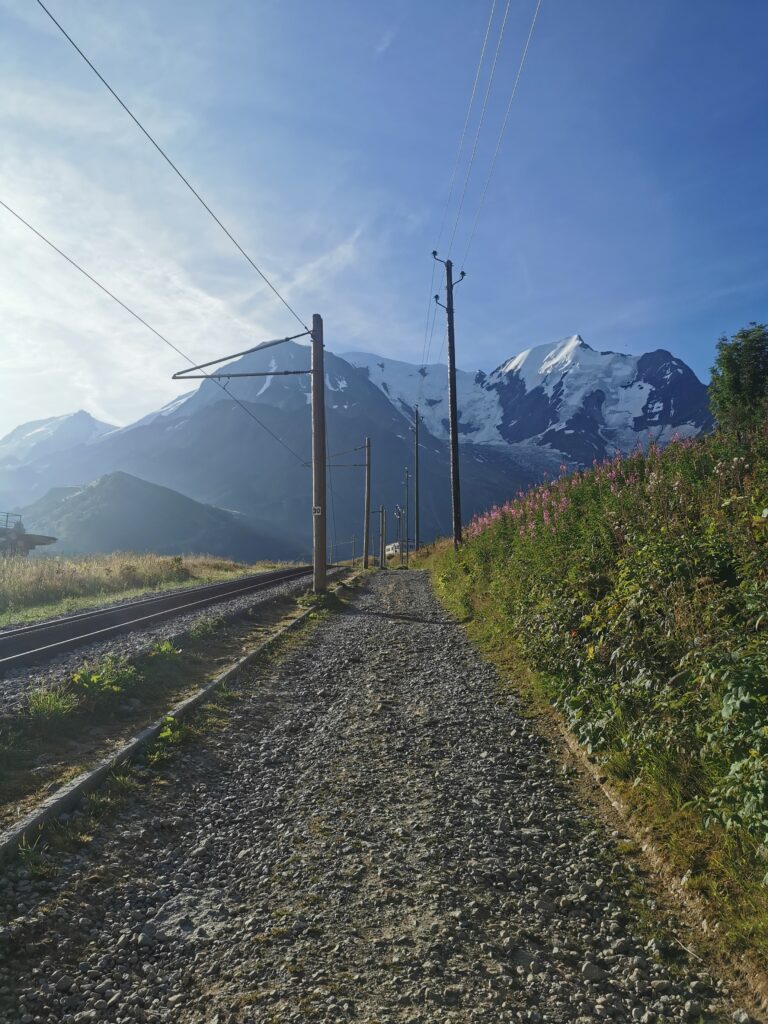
(565, 398)
(205, 447)
(44, 437)
(120, 512)
(545, 406)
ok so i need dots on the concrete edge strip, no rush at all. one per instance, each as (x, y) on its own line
(70, 794)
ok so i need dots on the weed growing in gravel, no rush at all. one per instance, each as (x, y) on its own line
(164, 651)
(36, 862)
(171, 736)
(111, 677)
(47, 708)
(206, 629)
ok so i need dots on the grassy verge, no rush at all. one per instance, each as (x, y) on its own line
(61, 731)
(633, 599)
(39, 588)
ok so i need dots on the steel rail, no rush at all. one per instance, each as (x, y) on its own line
(46, 639)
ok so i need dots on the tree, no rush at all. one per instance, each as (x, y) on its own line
(738, 392)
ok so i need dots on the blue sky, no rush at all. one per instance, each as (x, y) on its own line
(629, 203)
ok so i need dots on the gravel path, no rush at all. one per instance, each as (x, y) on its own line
(375, 836)
(14, 684)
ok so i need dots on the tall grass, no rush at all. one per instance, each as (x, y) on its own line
(36, 582)
(637, 591)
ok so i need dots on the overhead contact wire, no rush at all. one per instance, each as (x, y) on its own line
(502, 130)
(479, 125)
(460, 150)
(142, 321)
(172, 165)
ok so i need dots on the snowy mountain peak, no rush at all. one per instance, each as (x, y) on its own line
(57, 433)
(566, 399)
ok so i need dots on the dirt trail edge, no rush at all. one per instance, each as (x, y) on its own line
(375, 835)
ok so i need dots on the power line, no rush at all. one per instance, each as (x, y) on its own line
(501, 131)
(464, 133)
(172, 165)
(330, 488)
(479, 125)
(142, 321)
(456, 161)
(432, 331)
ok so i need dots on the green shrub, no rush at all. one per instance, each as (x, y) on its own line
(46, 707)
(639, 591)
(110, 678)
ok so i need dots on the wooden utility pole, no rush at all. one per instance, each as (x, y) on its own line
(407, 513)
(319, 544)
(382, 538)
(367, 520)
(416, 532)
(453, 415)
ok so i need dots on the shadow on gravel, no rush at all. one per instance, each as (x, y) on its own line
(397, 616)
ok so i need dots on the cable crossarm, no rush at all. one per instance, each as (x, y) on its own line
(144, 323)
(172, 165)
(245, 352)
(347, 451)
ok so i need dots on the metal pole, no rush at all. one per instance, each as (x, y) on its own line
(382, 539)
(416, 510)
(367, 527)
(453, 415)
(407, 513)
(319, 540)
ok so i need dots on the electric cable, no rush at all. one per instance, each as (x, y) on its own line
(501, 131)
(466, 125)
(171, 164)
(479, 125)
(142, 321)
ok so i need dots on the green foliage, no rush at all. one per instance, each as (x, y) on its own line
(110, 678)
(33, 588)
(171, 735)
(205, 629)
(639, 591)
(738, 393)
(49, 707)
(164, 651)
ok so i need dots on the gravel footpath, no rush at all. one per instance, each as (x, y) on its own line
(14, 684)
(376, 835)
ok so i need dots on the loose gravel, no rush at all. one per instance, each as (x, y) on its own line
(376, 834)
(14, 684)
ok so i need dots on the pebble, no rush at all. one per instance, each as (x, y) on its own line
(375, 834)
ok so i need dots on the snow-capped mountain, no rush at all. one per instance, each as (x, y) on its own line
(547, 405)
(565, 399)
(44, 437)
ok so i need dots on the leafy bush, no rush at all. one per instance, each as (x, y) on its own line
(639, 591)
(738, 393)
(110, 678)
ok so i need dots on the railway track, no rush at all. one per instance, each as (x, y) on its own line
(42, 640)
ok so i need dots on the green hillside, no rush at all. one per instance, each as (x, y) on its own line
(120, 512)
(636, 593)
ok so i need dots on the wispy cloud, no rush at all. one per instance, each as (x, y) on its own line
(385, 42)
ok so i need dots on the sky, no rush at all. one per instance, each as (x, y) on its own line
(629, 202)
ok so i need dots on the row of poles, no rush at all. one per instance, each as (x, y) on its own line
(402, 515)
(319, 446)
